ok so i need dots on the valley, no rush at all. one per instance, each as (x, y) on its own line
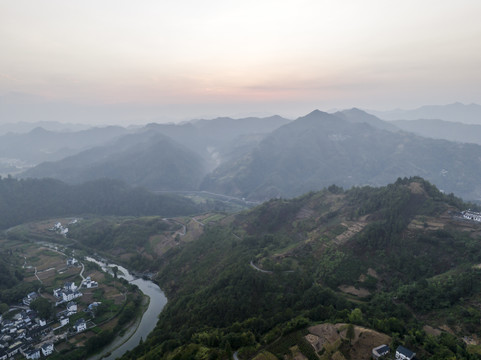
(398, 263)
(240, 180)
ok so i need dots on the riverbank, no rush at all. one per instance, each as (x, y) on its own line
(148, 320)
(120, 340)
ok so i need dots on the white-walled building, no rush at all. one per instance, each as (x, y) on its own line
(47, 349)
(80, 325)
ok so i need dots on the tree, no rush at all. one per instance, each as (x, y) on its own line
(115, 270)
(350, 333)
(3, 308)
(356, 316)
(43, 307)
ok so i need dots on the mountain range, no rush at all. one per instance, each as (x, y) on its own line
(320, 149)
(456, 112)
(262, 158)
(399, 260)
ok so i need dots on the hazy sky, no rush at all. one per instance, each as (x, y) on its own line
(226, 57)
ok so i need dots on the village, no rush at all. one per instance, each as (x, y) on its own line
(32, 336)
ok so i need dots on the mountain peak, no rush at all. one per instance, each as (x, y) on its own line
(316, 112)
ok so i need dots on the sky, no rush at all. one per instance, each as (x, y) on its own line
(182, 59)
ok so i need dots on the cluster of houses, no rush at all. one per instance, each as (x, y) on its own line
(25, 334)
(89, 283)
(402, 353)
(68, 293)
(471, 215)
(19, 335)
(59, 229)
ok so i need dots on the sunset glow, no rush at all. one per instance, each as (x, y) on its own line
(290, 54)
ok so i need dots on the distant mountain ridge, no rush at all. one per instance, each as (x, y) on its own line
(262, 158)
(158, 156)
(320, 149)
(146, 159)
(40, 144)
(32, 199)
(456, 112)
(441, 129)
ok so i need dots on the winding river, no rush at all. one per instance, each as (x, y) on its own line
(149, 319)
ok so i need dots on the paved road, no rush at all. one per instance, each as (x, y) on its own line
(226, 197)
(81, 272)
(261, 270)
(41, 282)
(184, 228)
(198, 222)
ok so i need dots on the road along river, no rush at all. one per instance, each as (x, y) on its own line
(149, 319)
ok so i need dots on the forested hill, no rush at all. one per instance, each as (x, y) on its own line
(346, 149)
(146, 159)
(393, 259)
(31, 199)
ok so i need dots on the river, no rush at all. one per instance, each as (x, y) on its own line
(149, 319)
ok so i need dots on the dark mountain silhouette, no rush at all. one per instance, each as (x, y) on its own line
(457, 112)
(40, 145)
(320, 149)
(146, 159)
(440, 129)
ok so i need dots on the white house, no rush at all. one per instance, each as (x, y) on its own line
(64, 321)
(89, 283)
(70, 295)
(380, 351)
(70, 286)
(42, 322)
(57, 226)
(32, 353)
(47, 349)
(404, 354)
(72, 261)
(14, 349)
(80, 325)
(472, 215)
(29, 298)
(71, 308)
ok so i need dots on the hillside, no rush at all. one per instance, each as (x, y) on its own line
(456, 112)
(157, 156)
(395, 259)
(322, 149)
(145, 159)
(214, 139)
(32, 199)
(22, 150)
(440, 129)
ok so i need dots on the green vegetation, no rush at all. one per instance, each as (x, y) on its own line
(217, 302)
(400, 248)
(32, 199)
(321, 149)
(106, 233)
(43, 307)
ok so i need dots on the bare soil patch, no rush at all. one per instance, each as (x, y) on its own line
(416, 188)
(349, 289)
(429, 224)
(431, 331)
(322, 334)
(361, 347)
(352, 229)
(296, 354)
(305, 213)
(372, 273)
(447, 329)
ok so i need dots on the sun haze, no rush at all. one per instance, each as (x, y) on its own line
(189, 58)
